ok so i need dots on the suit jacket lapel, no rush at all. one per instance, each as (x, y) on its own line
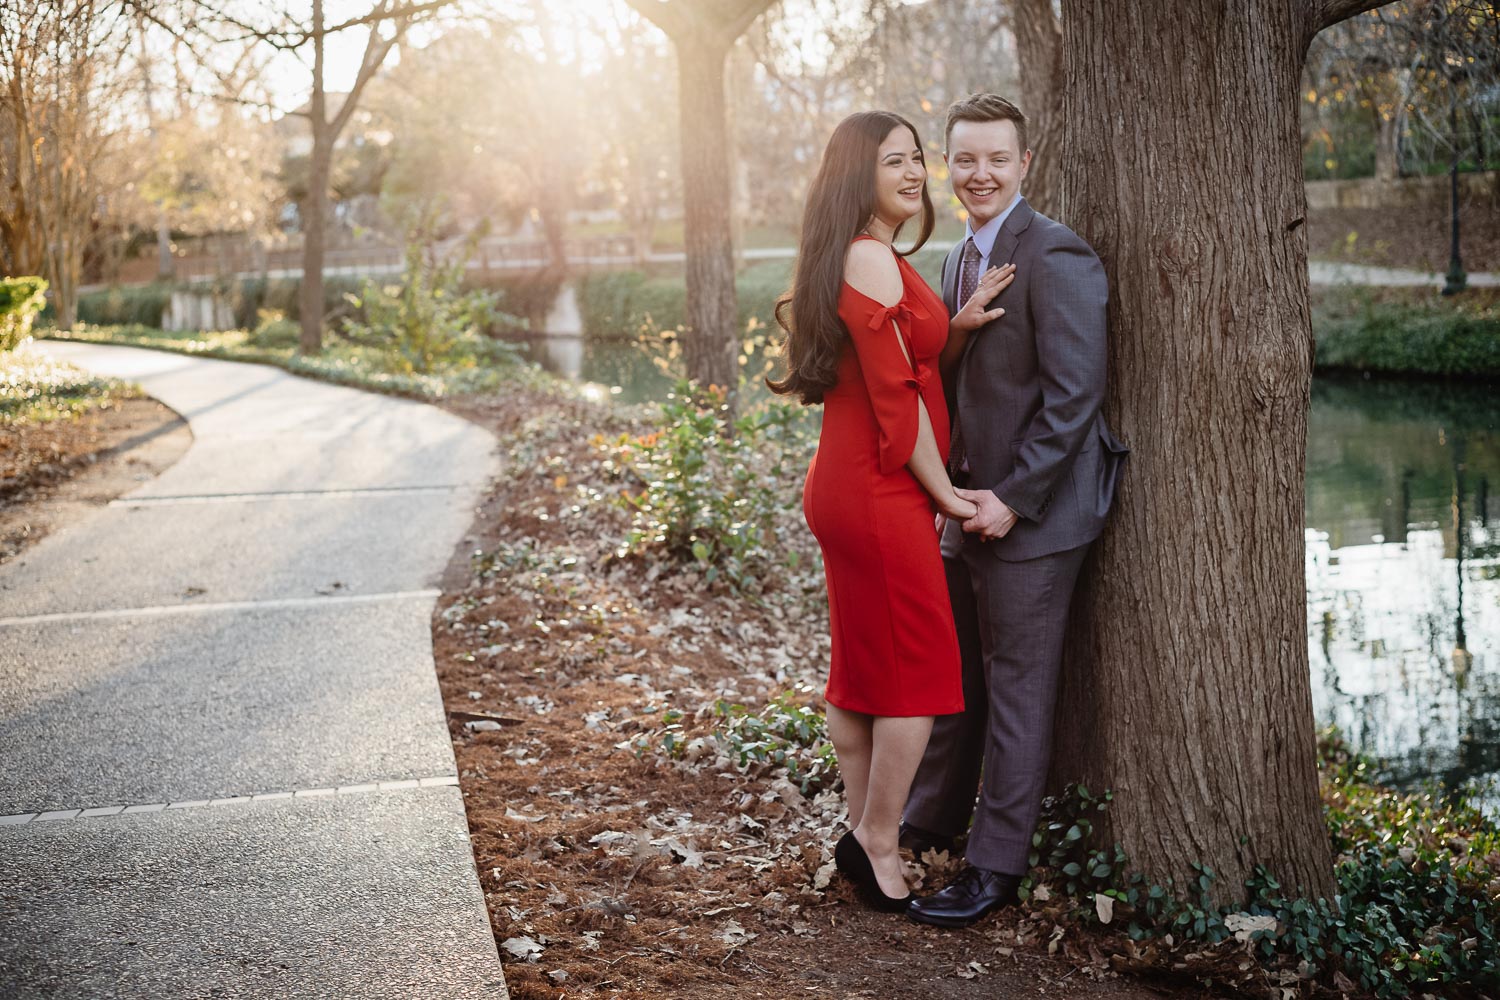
(1010, 234)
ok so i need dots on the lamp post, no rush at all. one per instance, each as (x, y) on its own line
(1457, 278)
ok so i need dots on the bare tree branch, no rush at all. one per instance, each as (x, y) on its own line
(673, 19)
(1330, 12)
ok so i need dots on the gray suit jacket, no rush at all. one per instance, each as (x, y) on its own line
(1029, 387)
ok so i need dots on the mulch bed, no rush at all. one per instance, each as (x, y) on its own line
(41, 463)
(612, 870)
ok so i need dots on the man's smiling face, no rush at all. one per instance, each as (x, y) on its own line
(987, 165)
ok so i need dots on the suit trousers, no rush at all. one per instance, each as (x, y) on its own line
(1011, 619)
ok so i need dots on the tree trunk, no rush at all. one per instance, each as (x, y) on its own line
(1388, 148)
(166, 264)
(1039, 58)
(315, 206)
(711, 346)
(1188, 691)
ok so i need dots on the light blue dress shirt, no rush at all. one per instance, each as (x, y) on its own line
(984, 240)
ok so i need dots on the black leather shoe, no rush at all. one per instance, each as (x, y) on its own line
(974, 893)
(920, 841)
(850, 858)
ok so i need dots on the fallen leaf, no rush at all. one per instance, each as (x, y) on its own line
(523, 949)
(734, 935)
(1105, 907)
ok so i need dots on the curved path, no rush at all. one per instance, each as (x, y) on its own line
(226, 766)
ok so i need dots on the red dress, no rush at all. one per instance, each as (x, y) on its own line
(895, 650)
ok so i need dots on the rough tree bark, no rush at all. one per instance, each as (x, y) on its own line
(1188, 691)
(1039, 70)
(702, 32)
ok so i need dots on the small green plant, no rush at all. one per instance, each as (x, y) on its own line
(785, 737)
(21, 299)
(1417, 907)
(274, 330)
(711, 494)
(426, 323)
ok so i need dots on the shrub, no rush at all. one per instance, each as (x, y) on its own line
(786, 738)
(143, 305)
(21, 299)
(1435, 336)
(425, 322)
(712, 496)
(1417, 907)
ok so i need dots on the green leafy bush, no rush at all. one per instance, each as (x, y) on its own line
(1417, 907)
(785, 738)
(21, 299)
(711, 496)
(144, 305)
(1459, 336)
(425, 323)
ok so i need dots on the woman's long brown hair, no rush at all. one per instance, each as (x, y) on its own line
(840, 204)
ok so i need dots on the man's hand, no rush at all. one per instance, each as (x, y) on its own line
(994, 519)
(974, 313)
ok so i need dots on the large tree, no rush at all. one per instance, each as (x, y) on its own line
(1039, 58)
(1189, 694)
(64, 74)
(385, 24)
(702, 32)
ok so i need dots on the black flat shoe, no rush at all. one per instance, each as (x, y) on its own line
(976, 892)
(920, 841)
(850, 858)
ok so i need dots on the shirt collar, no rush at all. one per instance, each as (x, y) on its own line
(984, 240)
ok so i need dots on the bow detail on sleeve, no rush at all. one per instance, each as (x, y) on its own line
(902, 312)
(920, 379)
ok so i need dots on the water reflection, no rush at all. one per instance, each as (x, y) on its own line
(1403, 574)
(1403, 558)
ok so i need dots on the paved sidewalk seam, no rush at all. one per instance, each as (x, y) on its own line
(340, 494)
(264, 604)
(400, 784)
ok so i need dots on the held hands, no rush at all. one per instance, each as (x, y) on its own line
(994, 519)
(974, 314)
(956, 508)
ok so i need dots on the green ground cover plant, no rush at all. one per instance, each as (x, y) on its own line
(1417, 908)
(35, 389)
(340, 363)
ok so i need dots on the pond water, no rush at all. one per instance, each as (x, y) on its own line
(1403, 558)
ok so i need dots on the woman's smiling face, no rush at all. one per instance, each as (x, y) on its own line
(900, 177)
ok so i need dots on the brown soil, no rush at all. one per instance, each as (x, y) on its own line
(641, 876)
(1416, 238)
(60, 470)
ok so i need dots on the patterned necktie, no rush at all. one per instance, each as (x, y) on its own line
(968, 282)
(968, 272)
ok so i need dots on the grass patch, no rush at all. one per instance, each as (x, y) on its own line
(35, 390)
(340, 363)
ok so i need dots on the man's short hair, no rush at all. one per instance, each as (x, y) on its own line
(985, 108)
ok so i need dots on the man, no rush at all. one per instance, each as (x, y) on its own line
(1031, 450)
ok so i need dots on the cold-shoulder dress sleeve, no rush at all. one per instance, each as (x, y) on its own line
(895, 388)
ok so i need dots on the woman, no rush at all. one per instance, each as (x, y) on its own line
(864, 338)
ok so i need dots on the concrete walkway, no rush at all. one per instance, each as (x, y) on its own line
(226, 767)
(1323, 272)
